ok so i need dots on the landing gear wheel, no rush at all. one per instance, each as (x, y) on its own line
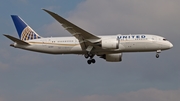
(89, 62)
(90, 56)
(157, 55)
(86, 56)
(93, 61)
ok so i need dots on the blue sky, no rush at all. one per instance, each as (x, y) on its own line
(34, 76)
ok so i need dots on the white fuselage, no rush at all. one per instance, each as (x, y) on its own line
(126, 43)
(108, 47)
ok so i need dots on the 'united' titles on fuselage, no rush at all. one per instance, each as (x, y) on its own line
(131, 36)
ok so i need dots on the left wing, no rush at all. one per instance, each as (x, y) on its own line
(85, 38)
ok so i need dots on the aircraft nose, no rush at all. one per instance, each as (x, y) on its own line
(170, 45)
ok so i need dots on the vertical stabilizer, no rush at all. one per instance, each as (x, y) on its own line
(25, 32)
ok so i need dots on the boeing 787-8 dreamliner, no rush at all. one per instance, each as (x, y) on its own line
(84, 43)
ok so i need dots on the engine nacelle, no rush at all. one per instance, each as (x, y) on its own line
(110, 44)
(113, 57)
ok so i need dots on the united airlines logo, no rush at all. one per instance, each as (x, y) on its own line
(29, 34)
(131, 37)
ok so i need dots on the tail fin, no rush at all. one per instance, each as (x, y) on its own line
(25, 32)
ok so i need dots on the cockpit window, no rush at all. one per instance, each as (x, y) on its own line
(165, 39)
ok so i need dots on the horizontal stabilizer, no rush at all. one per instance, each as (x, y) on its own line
(18, 41)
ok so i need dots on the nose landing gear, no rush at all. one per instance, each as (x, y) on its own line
(157, 53)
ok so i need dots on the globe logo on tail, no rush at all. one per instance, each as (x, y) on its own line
(29, 34)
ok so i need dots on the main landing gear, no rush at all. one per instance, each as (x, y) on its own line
(157, 53)
(89, 55)
(91, 60)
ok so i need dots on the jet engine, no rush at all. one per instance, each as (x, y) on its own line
(110, 44)
(112, 57)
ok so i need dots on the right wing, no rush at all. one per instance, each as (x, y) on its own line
(85, 38)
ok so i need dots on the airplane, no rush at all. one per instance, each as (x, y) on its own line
(108, 47)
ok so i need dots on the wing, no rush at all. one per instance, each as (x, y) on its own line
(85, 38)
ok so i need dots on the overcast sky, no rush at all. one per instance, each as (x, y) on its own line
(30, 76)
